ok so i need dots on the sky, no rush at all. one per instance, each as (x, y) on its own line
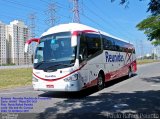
(112, 18)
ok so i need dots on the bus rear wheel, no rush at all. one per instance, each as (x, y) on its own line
(130, 73)
(100, 82)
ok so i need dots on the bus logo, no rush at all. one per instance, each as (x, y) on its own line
(50, 76)
(114, 58)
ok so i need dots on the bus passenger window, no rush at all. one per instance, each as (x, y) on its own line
(93, 43)
(83, 53)
(108, 43)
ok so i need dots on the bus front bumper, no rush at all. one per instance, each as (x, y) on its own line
(71, 86)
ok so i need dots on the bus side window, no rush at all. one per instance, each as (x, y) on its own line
(93, 43)
(114, 48)
(134, 51)
(83, 52)
(108, 43)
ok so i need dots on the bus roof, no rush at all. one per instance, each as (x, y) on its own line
(76, 27)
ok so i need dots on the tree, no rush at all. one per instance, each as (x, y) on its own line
(153, 5)
(154, 56)
(151, 27)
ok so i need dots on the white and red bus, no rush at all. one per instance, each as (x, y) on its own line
(71, 57)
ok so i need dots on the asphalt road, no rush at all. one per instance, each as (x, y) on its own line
(137, 97)
(16, 66)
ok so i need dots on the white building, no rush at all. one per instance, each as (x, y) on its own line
(17, 35)
(3, 44)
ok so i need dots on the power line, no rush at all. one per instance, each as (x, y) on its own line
(37, 9)
(19, 4)
(97, 15)
(114, 25)
(93, 21)
(56, 3)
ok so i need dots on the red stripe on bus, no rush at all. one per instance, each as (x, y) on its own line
(49, 80)
(75, 33)
(33, 39)
(114, 74)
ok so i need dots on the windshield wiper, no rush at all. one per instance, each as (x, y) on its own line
(40, 63)
(58, 65)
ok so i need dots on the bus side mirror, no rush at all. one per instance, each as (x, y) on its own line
(26, 48)
(74, 41)
(80, 58)
(29, 42)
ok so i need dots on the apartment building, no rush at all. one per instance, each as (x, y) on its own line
(18, 33)
(3, 44)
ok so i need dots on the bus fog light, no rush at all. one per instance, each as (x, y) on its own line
(34, 79)
(73, 77)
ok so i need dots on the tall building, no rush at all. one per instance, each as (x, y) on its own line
(18, 33)
(3, 44)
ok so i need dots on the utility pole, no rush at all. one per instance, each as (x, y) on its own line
(136, 46)
(155, 53)
(32, 27)
(76, 17)
(141, 48)
(51, 13)
(1, 49)
(158, 52)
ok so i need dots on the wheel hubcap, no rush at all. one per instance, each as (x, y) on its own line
(100, 83)
(130, 73)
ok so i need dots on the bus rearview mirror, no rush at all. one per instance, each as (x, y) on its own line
(26, 48)
(74, 41)
(28, 42)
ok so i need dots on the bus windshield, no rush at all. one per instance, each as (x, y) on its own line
(55, 51)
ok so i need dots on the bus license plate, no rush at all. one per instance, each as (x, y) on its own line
(50, 86)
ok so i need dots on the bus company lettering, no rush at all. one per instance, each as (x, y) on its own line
(50, 76)
(114, 58)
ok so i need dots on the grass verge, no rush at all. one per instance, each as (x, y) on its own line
(145, 61)
(15, 77)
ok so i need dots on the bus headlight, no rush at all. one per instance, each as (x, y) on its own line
(73, 77)
(34, 79)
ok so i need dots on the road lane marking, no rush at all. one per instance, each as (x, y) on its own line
(156, 85)
(120, 105)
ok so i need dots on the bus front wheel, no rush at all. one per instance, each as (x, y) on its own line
(100, 82)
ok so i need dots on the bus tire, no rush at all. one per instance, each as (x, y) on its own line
(100, 82)
(130, 73)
